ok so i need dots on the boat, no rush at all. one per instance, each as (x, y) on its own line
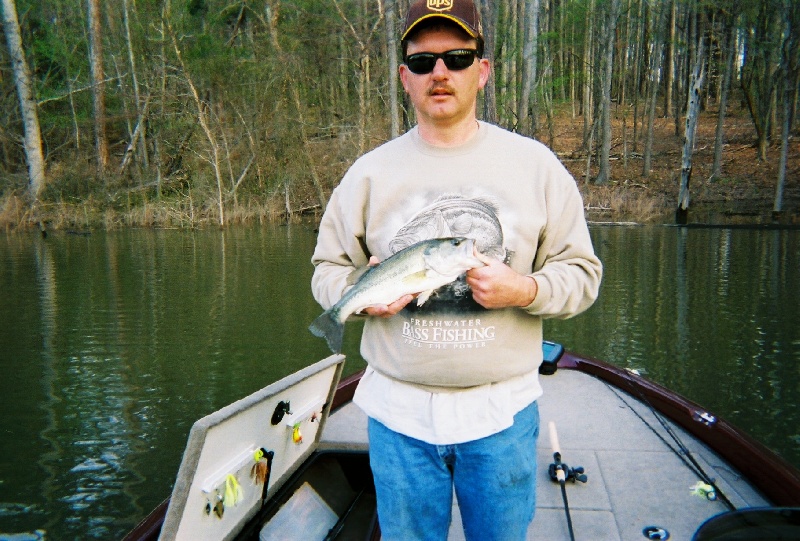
(620, 457)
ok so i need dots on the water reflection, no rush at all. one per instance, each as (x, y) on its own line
(711, 313)
(112, 345)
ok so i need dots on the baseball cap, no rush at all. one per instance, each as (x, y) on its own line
(462, 12)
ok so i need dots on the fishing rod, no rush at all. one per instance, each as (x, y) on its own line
(561, 473)
(682, 452)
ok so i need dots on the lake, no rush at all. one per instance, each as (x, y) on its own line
(113, 344)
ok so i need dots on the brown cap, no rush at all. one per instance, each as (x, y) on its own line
(462, 12)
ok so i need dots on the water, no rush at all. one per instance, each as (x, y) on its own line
(711, 313)
(113, 344)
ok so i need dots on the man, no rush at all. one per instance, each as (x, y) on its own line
(451, 386)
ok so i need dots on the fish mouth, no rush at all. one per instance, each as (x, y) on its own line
(471, 247)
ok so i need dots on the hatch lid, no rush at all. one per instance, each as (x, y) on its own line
(215, 492)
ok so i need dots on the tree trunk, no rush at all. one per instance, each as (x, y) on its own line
(692, 112)
(790, 66)
(604, 174)
(588, 73)
(639, 63)
(272, 21)
(730, 53)
(140, 109)
(363, 39)
(202, 117)
(669, 72)
(527, 113)
(27, 103)
(98, 84)
(777, 207)
(759, 71)
(489, 91)
(655, 65)
(390, 9)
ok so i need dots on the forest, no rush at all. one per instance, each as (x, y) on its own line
(184, 113)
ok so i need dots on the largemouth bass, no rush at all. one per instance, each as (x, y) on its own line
(420, 268)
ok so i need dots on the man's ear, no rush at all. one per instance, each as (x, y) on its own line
(486, 71)
(403, 71)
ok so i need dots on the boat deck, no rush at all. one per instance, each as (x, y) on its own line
(635, 480)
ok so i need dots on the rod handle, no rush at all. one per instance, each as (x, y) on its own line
(554, 438)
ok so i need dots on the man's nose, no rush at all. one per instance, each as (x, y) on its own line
(439, 68)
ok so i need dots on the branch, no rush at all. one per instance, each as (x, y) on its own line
(244, 174)
(71, 92)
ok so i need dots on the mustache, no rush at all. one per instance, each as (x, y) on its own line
(438, 88)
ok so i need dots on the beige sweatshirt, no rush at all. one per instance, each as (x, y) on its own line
(508, 192)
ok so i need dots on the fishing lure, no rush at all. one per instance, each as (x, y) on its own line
(704, 490)
(233, 491)
(260, 469)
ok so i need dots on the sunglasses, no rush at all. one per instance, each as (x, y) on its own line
(455, 60)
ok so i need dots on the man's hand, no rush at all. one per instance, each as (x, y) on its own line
(499, 286)
(384, 310)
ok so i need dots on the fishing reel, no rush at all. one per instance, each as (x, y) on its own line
(569, 474)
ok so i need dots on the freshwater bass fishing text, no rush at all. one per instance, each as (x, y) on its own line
(447, 334)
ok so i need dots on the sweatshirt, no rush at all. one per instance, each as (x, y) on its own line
(509, 193)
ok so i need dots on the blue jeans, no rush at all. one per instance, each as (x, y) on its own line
(494, 480)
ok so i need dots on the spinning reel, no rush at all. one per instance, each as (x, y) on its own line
(569, 474)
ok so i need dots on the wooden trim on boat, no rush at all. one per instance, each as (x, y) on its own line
(345, 390)
(149, 528)
(776, 478)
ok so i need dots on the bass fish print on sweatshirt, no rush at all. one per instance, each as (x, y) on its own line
(453, 215)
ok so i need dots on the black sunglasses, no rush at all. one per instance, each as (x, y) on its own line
(457, 59)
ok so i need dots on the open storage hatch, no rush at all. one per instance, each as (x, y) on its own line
(251, 470)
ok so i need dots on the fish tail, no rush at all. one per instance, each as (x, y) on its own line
(328, 327)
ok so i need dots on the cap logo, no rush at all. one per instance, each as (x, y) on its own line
(440, 5)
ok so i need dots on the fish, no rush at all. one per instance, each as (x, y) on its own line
(453, 215)
(420, 268)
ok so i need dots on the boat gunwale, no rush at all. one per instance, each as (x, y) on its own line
(768, 472)
(776, 478)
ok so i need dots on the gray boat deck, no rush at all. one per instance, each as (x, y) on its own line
(634, 479)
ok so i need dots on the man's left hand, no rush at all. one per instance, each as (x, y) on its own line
(499, 286)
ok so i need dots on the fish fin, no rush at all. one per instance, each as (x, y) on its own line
(328, 327)
(424, 296)
(442, 229)
(415, 277)
(461, 225)
(357, 274)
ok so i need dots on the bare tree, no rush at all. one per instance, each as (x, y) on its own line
(363, 39)
(669, 71)
(607, 64)
(139, 134)
(761, 63)
(98, 84)
(526, 115)
(587, 100)
(272, 9)
(27, 104)
(203, 119)
(390, 13)
(730, 55)
(652, 93)
(790, 66)
(489, 92)
(692, 112)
